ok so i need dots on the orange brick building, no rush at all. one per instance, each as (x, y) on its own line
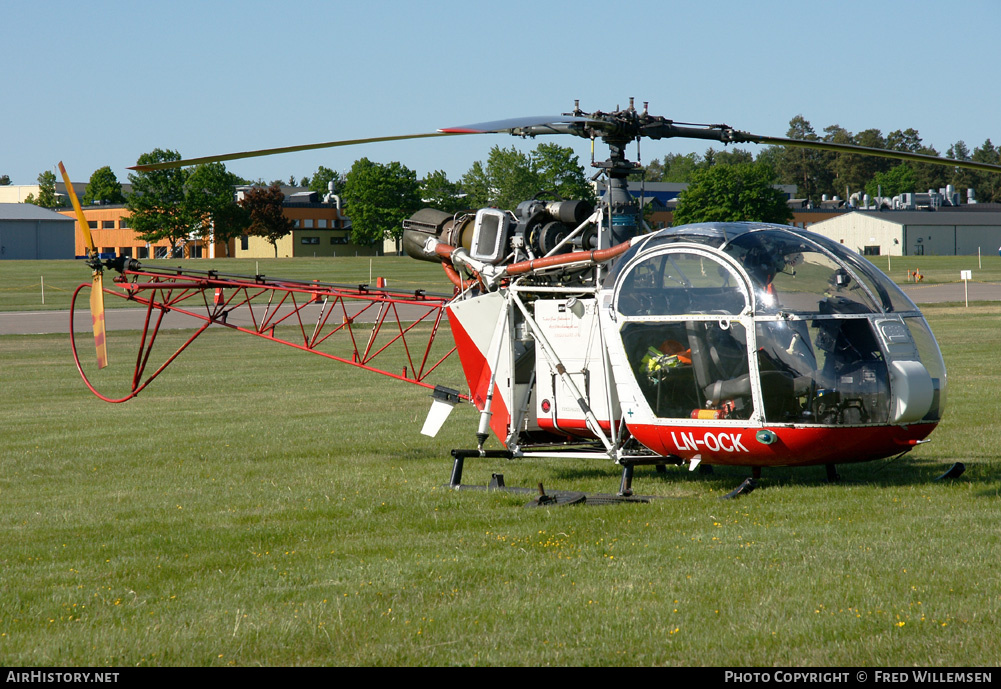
(109, 227)
(320, 230)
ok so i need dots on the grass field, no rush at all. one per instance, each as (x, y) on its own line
(259, 506)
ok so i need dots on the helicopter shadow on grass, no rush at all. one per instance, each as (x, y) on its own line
(885, 473)
(904, 471)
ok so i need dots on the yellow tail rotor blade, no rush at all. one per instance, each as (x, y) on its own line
(97, 286)
(81, 218)
(97, 313)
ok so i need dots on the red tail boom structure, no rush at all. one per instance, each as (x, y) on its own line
(354, 325)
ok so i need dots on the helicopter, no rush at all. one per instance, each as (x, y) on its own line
(582, 334)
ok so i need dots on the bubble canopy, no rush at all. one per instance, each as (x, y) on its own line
(767, 252)
(768, 323)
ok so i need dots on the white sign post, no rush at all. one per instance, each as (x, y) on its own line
(966, 276)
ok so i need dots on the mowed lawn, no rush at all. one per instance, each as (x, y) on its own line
(260, 506)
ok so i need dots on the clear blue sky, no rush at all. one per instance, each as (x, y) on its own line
(99, 83)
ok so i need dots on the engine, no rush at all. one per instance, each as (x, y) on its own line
(495, 237)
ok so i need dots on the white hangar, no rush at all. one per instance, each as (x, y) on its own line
(29, 232)
(946, 231)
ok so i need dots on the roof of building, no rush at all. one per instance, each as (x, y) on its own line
(989, 207)
(29, 211)
(941, 216)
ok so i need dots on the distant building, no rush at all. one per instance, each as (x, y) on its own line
(110, 230)
(946, 231)
(17, 193)
(28, 232)
(321, 229)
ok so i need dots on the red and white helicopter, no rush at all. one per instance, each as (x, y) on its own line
(581, 334)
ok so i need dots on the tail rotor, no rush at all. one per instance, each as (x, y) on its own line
(97, 287)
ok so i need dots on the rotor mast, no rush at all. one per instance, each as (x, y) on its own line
(623, 127)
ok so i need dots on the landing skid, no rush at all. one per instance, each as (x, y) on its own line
(555, 498)
(560, 498)
(625, 493)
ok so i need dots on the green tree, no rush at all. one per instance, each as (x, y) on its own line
(897, 180)
(378, 198)
(512, 179)
(157, 202)
(724, 157)
(510, 176)
(854, 171)
(4, 180)
(559, 171)
(47, 197)
(987, 185)
(768, 155)
(674, 167)
(652, 172)
(679, 168)
(438, 192)
(210, 197)
(727, 193)
(927, 176)
(506, 180)
(807, 168)
(103, 186)
(961, 177)
(476, 184)
(265, 207)
(321, 179)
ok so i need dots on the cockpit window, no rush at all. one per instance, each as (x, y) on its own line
(683, 336)
(828, 370)
(691, 369)
(792, 274)
(892, 298)
(675, 283)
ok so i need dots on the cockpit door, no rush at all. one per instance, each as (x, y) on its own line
(683, 317)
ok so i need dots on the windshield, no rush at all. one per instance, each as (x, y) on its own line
(791, 273)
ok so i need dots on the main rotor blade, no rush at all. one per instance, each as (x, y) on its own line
(881, 152)
(666, 129)
(529, 126)
(614, 125)
(286, 149)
